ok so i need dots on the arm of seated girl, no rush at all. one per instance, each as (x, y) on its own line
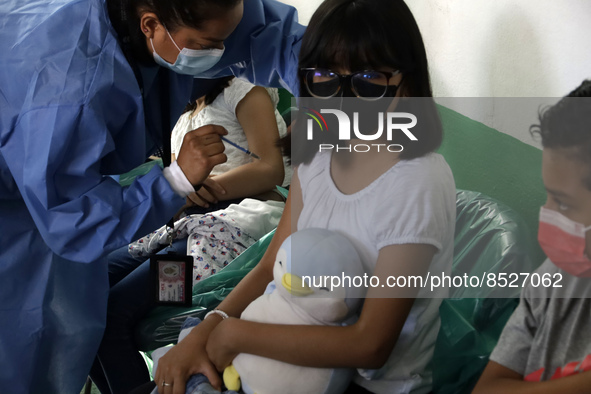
(365, 344)
(256, 115)
(189, 357)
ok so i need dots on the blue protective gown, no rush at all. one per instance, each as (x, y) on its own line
(71, 112)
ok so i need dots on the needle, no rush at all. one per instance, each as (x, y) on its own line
(241, 148)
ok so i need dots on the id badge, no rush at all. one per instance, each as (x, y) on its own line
(171, 279)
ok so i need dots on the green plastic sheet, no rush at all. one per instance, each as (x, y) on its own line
(489, 237)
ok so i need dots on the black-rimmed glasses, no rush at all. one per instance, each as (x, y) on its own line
(367, 84)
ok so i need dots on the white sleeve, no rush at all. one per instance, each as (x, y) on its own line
(234, 93)
(418, 205)
(274, 94)
(178, 132)
(177, 179)
(310, 171)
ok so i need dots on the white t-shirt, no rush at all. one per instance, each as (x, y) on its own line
(223, 112)
(412, 202)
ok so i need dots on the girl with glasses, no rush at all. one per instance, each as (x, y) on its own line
(398, 209)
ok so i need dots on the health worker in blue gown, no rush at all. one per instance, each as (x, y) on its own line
(90, 88)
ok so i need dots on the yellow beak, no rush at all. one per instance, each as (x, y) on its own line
(295, 285)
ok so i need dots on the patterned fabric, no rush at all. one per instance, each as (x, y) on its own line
(212, 239)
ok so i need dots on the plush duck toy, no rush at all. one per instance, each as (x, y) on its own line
(298, 296)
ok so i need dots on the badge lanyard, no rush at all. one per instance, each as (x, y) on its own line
(172, 275)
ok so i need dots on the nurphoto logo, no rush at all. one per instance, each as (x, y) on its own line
(394, 123)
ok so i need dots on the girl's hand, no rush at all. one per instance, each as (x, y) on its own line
(206, 194)
(187, 358)
(219, 344)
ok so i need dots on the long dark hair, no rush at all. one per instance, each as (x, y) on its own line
(213, 93)
(369, 34)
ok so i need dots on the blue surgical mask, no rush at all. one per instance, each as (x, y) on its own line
(190, 61)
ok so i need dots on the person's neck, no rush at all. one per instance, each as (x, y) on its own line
(200, 105)
(354, 171)
(378, 153)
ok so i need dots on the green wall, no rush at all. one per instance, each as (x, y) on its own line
(493, 163)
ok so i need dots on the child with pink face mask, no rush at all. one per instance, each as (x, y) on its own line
(546, 344)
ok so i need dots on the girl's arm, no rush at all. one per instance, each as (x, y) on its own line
(189, 356)
(499, 379)
(365, 344)
(256, 115)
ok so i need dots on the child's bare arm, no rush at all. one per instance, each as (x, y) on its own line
(365, 344)
(189, 356)
(256, 115)
(499, 379)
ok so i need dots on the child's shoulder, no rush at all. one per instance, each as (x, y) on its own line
(237, 90)
(237, 83)
(183, 123)
(432, 164)
(550, 283)
(241, 87)
(319, 163)
(428, 172)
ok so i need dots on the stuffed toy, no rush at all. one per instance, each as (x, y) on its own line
(298, 296)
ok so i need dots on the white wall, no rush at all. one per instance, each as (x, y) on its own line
(305, 8)
(506, 48)
(500, 48)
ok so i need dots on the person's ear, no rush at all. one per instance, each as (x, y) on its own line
(149, 23)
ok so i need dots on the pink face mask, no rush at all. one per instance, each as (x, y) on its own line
(563, 241)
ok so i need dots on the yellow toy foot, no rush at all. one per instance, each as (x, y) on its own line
(231, 378)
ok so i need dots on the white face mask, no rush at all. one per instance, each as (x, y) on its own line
(190, 61)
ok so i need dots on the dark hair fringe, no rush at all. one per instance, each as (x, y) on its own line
(567, 125)
(362, 34)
